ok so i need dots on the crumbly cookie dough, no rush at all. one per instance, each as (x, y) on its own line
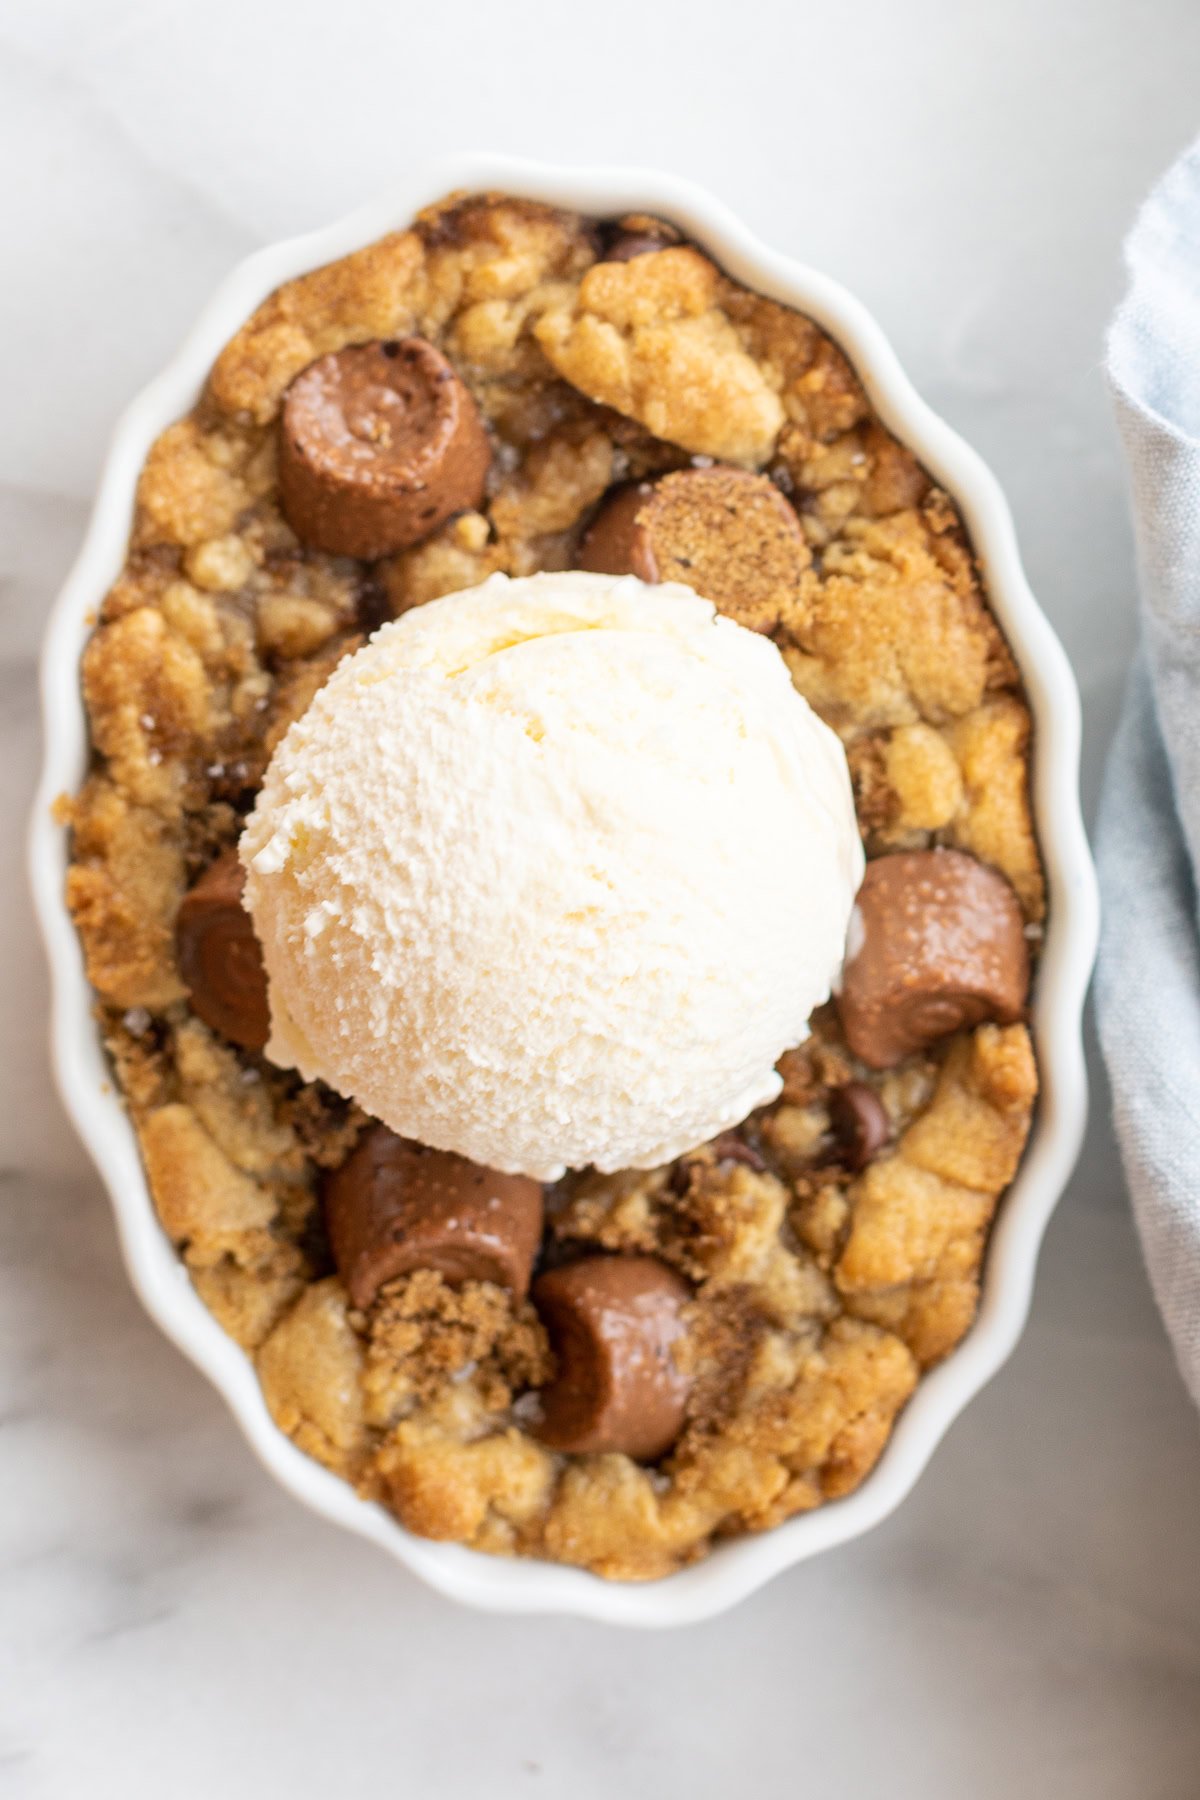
(819, 1293)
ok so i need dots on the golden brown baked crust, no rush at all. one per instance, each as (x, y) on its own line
(819, 1295)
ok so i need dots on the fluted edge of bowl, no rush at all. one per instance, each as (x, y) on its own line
(739, 1567)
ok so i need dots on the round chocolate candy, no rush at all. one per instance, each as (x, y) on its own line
(613, 1322)
(395, 1206)
(937, 943)
(219, 956)
(378, 444)
(859, 1123)
(729, 534)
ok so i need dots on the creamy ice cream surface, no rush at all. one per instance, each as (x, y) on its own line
(551, 872)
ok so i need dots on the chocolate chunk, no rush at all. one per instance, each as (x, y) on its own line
(937, 943)
(727, 533)
(860, 1125)
(395, 1206)
(613, 1322)
(219, 956)
(378, 444)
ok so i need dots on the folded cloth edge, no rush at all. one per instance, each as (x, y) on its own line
(1148, 830)
(1149, 951)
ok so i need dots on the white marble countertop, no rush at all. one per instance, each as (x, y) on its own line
(171, 1624)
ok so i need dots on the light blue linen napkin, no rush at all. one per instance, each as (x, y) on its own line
(1148, 839)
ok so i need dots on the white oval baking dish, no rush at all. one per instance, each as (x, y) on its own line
(740, 1566)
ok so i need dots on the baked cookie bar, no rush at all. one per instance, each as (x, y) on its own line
(598, 394)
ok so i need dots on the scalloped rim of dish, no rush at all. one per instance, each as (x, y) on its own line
(740, 1566)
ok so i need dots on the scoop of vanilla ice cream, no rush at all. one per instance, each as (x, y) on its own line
(551, 872)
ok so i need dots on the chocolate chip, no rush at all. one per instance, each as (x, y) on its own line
(638, 235)
(860, 1125)
(633, 243)
(728, 1147)
(374, 607)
